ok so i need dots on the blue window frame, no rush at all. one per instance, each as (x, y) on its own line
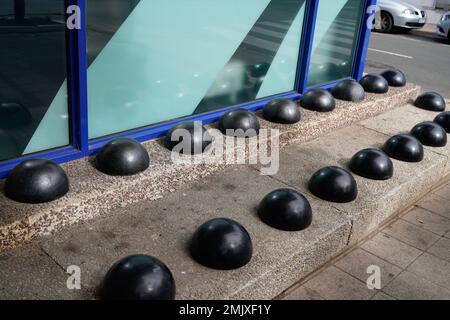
(81, 146)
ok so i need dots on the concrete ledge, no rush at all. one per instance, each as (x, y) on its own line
(94, 194)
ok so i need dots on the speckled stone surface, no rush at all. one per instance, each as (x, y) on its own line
(315, 124)
(93, 193)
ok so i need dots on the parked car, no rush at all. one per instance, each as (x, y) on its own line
(400, 14)
(443, 27)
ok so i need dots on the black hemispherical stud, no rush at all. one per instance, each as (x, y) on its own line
(285, 209)
(431, 101)
(188, 137)
(443, 119)
(14, 115)
(349, 90)
(372, 164)
(334, 184)
(374, 83)
(36, 181)
(122, 157)
(239, 123)
(283, 111)
(430, 134)
(395, 78)
(404, 147)
(222, 244)
(319, 100)
(138, 277)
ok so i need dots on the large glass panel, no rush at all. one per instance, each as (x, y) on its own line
(155, 60)
(33, 91)
(335, 38)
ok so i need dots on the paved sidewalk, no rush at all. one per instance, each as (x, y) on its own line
(412, 251)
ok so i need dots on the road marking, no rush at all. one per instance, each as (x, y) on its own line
(392, 53)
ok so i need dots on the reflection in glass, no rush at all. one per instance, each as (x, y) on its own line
(155, 60)
(33, 94)
(335, 40)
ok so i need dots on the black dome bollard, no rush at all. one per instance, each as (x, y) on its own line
(443, 119)
(431, 101)
(222, 244)
(430, 134)
(239, 123)
(122, 157)
(14, 115)
(334, 184)
(283, 111)
(372, 164)
(374, 83)
(395, 78)
(319, 100)
(198, 138)
(138, 277)
(286, 209)
(349, 90)
(404, 147)
(36, 181)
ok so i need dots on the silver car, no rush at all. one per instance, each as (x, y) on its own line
(443, 27)
(399, 14)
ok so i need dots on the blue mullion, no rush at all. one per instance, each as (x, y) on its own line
(363, 41)
(307, 45)
(78, 76)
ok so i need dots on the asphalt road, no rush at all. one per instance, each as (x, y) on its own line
(424, 59)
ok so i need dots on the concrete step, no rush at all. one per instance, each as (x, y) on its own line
(94, 194)
(163, 228)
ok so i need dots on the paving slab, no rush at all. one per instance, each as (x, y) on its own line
(432, 268)
(441, 249)
(427, 220)
(391, 250)
(437, 205)
(334, 284)
(409, 286)
(443, 191)
(164, 228)
(411, 234)
(357, 261)
(29, 273)
(402, 120)
(377, 200)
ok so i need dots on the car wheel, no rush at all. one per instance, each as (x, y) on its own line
(387, 23)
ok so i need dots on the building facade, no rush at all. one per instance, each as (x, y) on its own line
(136, 67)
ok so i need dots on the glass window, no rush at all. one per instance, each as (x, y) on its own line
(335, 40)
(155, 60)
(33, 91)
